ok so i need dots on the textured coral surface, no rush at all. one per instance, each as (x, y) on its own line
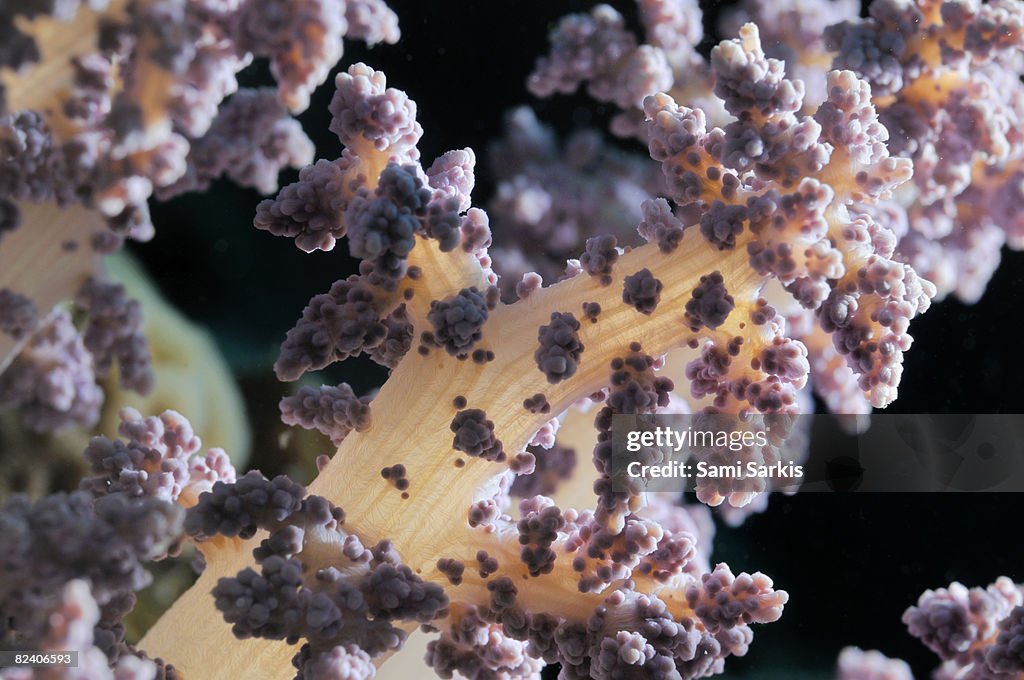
(461, 256)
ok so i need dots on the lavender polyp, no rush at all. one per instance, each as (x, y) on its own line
(458, 322)
(559, 348)
(334, 411)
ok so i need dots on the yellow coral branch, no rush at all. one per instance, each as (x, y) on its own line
(48, 258)
(410, 426)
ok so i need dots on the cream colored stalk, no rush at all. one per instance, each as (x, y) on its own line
(411, 415)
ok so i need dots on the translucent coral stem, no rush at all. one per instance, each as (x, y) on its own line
(412, 414)
(194, 634)
(48, 258)
(50, 255)
(416, 433)
(50, 80)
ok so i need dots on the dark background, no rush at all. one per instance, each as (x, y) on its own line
(851, 563)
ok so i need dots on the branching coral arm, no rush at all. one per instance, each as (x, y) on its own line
(107, 103)
(440, 492)
(485, 376)
(946, 83)
(67, 269)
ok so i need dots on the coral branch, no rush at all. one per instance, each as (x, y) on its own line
(441, 492)
(61, 238)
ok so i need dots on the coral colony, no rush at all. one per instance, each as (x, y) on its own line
(798, 208)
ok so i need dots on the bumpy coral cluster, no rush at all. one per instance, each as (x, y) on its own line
(946, 77)
(73, 563)
(105, 104)
(977, 632)
(136, 102)
(945, 83)
(857, 664)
